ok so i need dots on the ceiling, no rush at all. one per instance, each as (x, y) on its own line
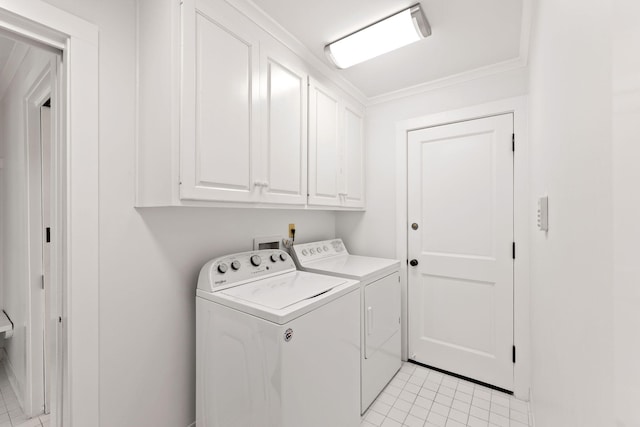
(467, 35)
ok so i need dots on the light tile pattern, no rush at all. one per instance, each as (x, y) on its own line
(11, 414)
(421, 397)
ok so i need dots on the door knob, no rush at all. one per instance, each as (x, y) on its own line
(413, 262)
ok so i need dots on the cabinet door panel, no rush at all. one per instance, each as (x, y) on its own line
(220, 102)
(353, 158)
(285, 126)
(223, 108)
(324, 146)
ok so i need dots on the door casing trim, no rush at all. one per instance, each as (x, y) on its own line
(522, 205)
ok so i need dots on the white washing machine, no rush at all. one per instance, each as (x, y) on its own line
(275, 347)
(380, 307)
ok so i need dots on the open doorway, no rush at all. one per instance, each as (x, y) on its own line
(28, 108)
(74, 201)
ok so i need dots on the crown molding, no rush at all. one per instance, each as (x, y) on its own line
(452, 80)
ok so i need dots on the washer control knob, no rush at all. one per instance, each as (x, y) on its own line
(235, 265)
(326, 248)
(283, 257)
(222, 268)
(256, 260)
(319, 249)
(274, 258)
(312, 251)
(305, 252)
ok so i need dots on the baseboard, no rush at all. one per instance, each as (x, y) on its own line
(13, 380)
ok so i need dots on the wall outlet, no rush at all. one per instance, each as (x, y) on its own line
(292, 230)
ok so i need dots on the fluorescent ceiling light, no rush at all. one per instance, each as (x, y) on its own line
(400, 29)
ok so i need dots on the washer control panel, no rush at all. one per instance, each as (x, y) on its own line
(221, 273)
(307, 252)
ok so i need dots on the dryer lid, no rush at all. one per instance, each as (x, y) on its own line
(284, 290)
(352, 266)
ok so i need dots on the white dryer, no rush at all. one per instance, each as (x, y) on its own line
(380, 307)
(275, 347)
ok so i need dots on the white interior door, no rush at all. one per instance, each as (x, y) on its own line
(45, 146)
(460, 198)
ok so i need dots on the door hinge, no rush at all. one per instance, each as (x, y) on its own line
(48, 234)
(513, 142)
(513, 354)
(513, 250)
(42, 281)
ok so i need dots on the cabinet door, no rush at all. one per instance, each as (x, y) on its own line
(284, 133)
(352, 176)
(324, 146)
(220, 124)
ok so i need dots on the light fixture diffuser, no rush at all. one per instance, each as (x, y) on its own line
(400, 29)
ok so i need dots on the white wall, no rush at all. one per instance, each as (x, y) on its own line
(626, 202)
(571, 162)
(374, 232)
(150, 258)
(15, 250)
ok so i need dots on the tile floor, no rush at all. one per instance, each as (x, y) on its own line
(418, 396)
(11, 414)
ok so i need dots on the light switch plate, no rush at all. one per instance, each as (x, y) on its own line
(543, 213)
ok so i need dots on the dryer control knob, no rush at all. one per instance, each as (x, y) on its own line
(235, 265)
(274, 258)
(305, 252)
(222, 268)
(283, 257)
(256, 260)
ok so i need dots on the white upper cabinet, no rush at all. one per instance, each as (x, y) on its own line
(353, 157)
(220, 124)
(336, 150)
(227, 117)
(284, 125)
(324, 146)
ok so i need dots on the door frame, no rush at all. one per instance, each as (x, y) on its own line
(74, 201)
(522, 205)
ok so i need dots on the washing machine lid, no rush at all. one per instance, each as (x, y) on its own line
(353, 266)
(282, 291)
(284, 297)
